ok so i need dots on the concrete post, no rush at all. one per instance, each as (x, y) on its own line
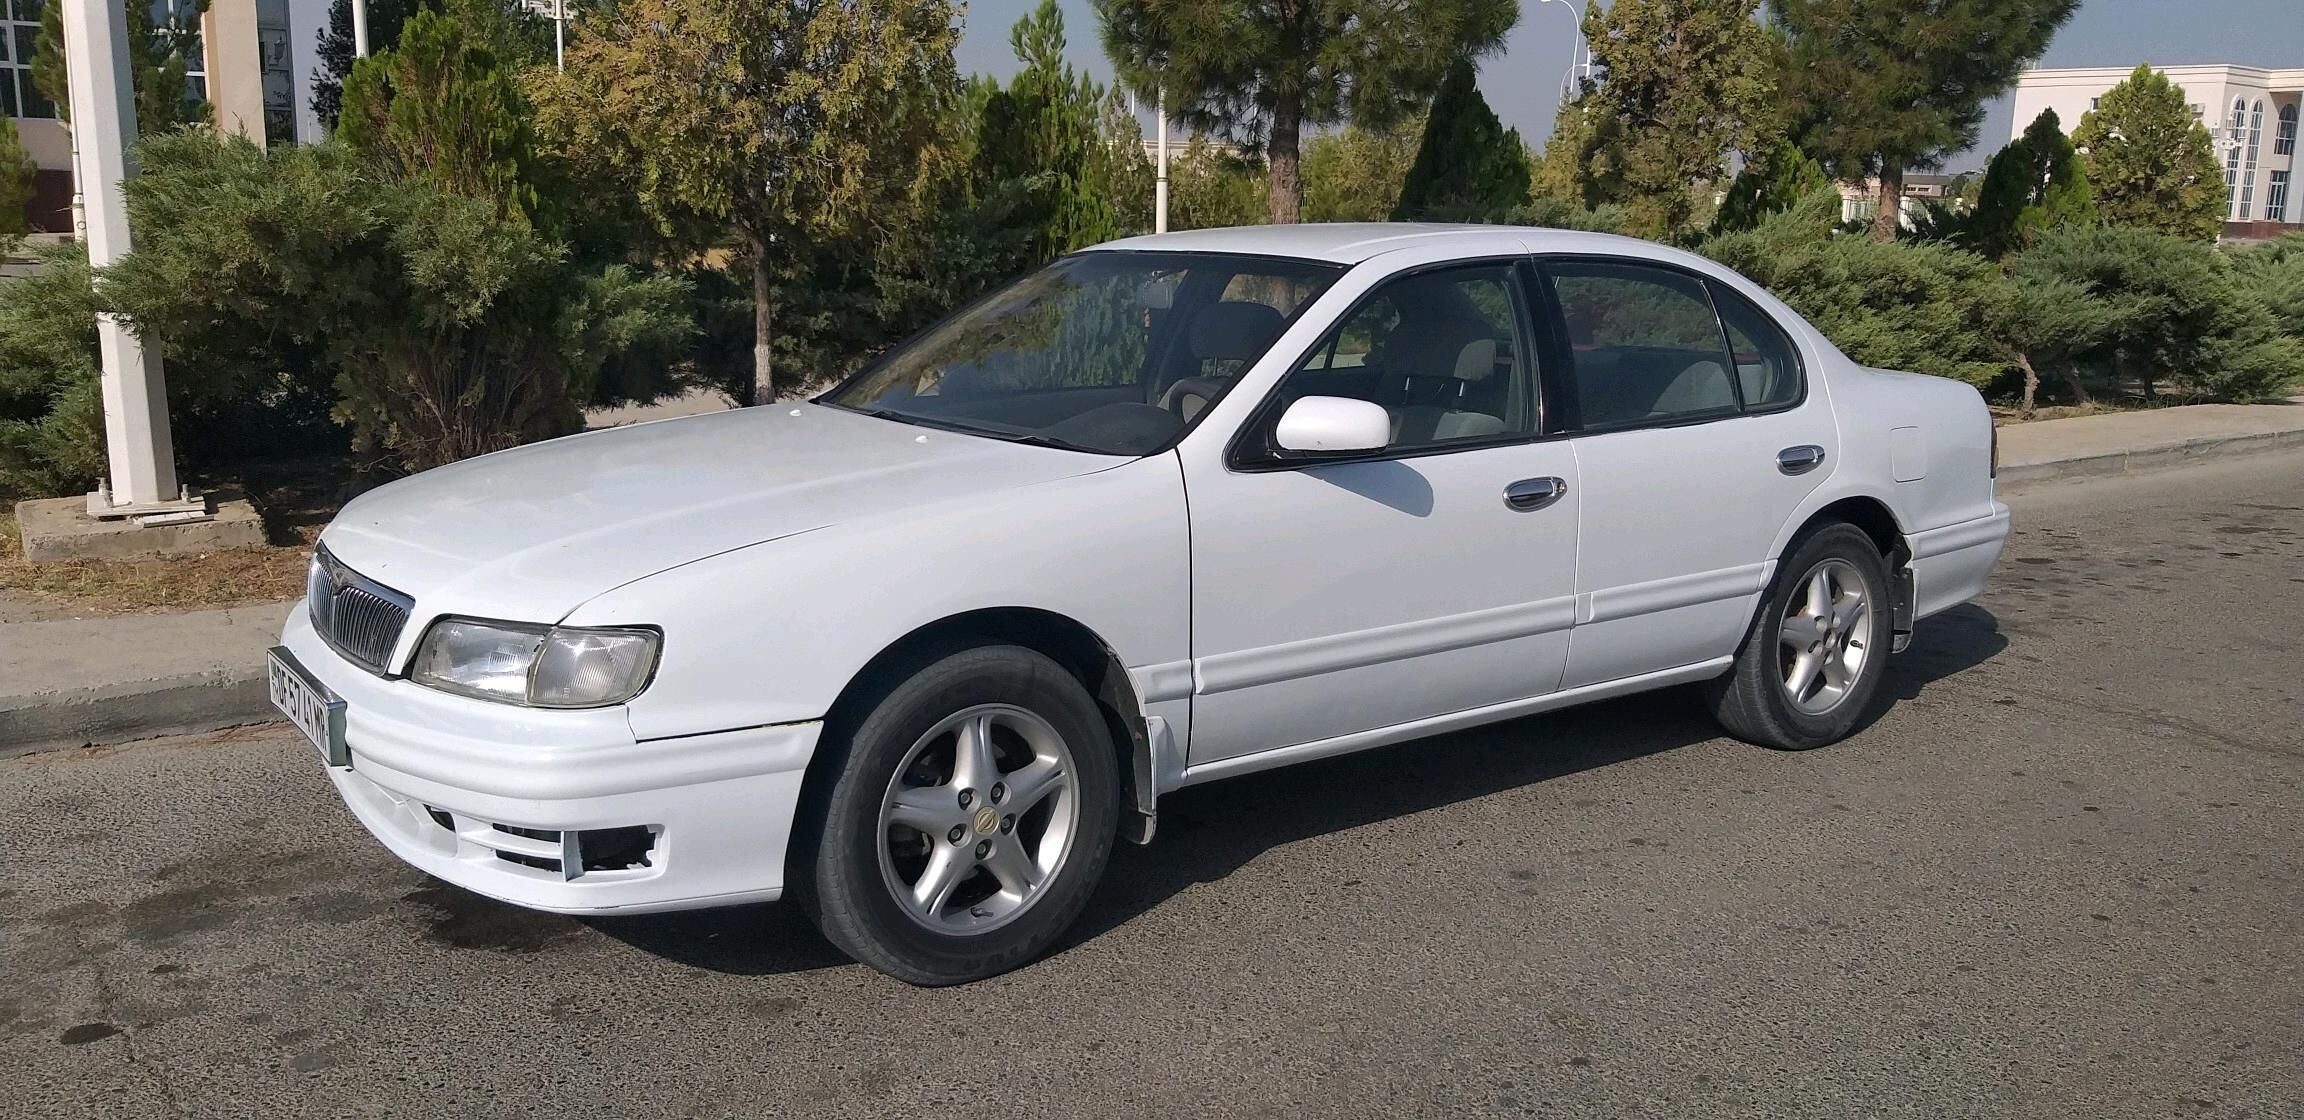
(359, 28)
(235, 67)
(136, 436)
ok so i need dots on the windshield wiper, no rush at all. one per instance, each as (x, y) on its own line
(1042, 440)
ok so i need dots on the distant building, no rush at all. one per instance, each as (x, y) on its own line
(1860, 200)
(2251, 116)
(251, 61)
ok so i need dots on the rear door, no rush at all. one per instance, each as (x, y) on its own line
(1695, 441)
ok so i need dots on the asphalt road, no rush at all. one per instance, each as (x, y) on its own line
(2061, 876)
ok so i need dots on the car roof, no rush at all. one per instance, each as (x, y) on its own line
(1353, 242)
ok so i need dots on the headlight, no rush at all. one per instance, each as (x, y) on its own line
(537, 666)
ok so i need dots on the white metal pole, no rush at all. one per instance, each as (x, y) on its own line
(141, 453)
(359, 28)
(559, 42)
(1160, 185)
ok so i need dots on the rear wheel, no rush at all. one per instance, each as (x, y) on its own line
(1813, 658)
(971, 814)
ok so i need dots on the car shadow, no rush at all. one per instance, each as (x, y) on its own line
(1208, 832)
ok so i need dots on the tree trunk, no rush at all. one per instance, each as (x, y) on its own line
(763, 382)
(2031, 382)
(2073, 382)
(1286, 191)
(1889, 218)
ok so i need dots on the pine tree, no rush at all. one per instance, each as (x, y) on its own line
(385, 18)
(1260, 73)
(1469, 166)
(1887, 86)
(2150, 164)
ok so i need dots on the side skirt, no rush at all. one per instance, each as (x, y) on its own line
(1435, 725)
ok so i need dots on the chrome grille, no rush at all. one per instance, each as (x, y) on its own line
(357, 616)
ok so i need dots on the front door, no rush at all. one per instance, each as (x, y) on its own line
(1340, 597)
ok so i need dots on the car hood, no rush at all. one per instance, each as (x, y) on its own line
(531, 533)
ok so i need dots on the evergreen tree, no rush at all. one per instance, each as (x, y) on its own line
(16, 179)
(440, 106)
(1040, 138)
(157, 54)
(2150, 164)
(385, 18)
(1681, 84)
(1770, 184)
(2033, 185)
(1886, 86)
(1260, 73)
(1469, 166)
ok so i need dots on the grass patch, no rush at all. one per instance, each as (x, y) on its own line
(296, 501)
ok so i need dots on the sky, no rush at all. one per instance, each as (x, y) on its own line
(1522, 82)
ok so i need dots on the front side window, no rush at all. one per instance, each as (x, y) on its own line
(1111, 352)
(1645, 343)
(1442, 351)
(2284, 140)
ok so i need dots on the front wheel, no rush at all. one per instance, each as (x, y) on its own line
(972, 812)
(1817, 648)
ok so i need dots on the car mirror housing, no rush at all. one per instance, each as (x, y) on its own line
(1321, 426)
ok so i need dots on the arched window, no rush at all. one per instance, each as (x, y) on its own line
(2232, 133)
(2284, 139)
(2248, 165)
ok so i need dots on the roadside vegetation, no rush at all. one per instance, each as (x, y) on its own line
(487, 245)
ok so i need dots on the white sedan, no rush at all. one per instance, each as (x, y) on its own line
(1172, 509)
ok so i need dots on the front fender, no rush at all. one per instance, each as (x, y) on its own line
(772, 633)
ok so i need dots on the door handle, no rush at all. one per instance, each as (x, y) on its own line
(1535, 493)
(1800, 460)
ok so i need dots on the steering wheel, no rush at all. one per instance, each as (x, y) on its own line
(1207, 389)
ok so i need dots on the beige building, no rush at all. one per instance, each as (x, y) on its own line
(2251, 116)
(249, 61)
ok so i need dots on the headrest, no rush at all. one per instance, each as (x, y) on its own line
(1234, 330)
(1477, 360)
(1456, 350)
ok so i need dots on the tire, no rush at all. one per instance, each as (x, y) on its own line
(877, 866)
(1773, 697)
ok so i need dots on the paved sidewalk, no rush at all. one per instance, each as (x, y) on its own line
(2124, 441)
(67, 681)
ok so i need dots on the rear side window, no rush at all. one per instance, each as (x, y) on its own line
(1645, 344)
(1767, 364)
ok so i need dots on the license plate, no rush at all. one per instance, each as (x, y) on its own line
(310, 706)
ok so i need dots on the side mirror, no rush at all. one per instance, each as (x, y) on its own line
(1317, 426)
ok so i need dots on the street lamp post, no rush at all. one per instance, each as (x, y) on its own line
(359, 28)
(1579, 51)
(1160, 184)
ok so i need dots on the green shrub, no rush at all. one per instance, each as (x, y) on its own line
(51, 408)
(1910, 305)
(2274, 273)
(2184, 315)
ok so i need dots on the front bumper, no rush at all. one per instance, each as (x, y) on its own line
(562, 810)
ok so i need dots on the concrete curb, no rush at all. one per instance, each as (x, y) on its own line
(2157, 457)
(45, 721)
(217, 698)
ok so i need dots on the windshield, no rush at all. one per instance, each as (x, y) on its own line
(1111, 352)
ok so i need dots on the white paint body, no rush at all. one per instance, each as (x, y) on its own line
(1262, 617)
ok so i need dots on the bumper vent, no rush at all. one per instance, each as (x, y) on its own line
(357, 616)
